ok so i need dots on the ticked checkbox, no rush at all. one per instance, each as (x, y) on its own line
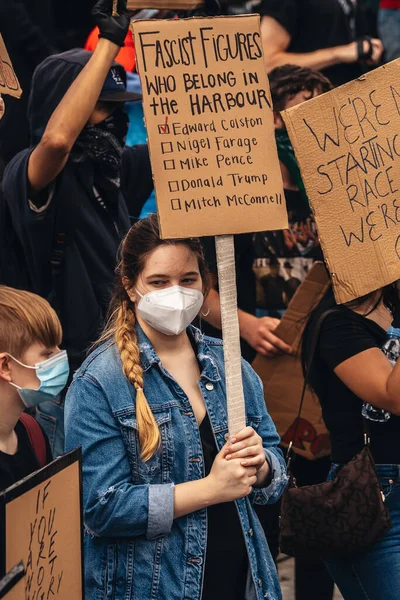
(173, 186)
(167, 147)
(169, 165)
(176, 204)
(163, 129)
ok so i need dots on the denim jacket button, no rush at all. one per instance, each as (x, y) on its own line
(250, 532)
(196, 560)
(259, 583)
(209, 386)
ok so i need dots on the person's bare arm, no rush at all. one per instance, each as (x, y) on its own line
(71, 115)
(276, 40)
(372, 378)
(50, 155)
(258, 332)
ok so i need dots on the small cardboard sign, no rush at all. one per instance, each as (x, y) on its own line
(210, 126)
(41, 524)
(9, 83)
(282, 376)
(347, 143)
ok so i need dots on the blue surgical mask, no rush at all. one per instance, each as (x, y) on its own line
(53, 376)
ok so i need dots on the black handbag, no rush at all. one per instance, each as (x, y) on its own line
(335, 518)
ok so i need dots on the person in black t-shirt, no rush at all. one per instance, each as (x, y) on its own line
(349, 368)
(32, 368)
(68, 198)
(319, 34)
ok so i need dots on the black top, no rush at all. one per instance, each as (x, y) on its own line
(15, 467)
(245, 282)
(345, 334)
(316, 24)
(93, 226)
(226, 560)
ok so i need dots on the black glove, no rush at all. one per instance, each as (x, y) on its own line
(112, 28)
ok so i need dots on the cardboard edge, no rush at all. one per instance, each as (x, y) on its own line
(251, 16)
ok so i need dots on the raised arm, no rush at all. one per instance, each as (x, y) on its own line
(276, 40)
(50, 155)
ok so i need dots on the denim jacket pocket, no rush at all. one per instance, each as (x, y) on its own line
(158, 468)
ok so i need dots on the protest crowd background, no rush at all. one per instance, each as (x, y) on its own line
(81, 254)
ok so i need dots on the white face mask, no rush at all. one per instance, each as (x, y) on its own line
(170, 310)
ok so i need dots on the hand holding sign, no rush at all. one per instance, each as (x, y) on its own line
(112, 19)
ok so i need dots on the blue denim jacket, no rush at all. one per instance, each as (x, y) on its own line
(134, 549)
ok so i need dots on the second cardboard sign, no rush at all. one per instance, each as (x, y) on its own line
(347, 143)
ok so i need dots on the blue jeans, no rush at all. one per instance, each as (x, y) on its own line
(389, 31)
(374, 573)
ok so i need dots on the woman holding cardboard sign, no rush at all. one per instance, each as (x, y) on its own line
(351, 372)
(160, 480)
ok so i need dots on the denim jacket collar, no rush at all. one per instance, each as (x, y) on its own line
(149, 357)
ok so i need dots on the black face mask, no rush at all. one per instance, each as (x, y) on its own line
(116, 124)
(104, 142)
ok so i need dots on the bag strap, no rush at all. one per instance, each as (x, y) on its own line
(311, 355)
(36, 437)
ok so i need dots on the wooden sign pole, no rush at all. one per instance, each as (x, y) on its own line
(225, 249)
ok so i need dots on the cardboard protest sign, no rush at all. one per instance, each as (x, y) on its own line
(41, 524)
(9, 83)
(347, 143)
(210, 126)
(282, 376)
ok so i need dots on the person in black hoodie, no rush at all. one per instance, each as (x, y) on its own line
(67, 199)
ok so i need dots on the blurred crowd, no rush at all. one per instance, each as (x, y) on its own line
(76, 179)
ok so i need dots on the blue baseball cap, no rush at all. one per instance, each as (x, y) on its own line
(114, 88)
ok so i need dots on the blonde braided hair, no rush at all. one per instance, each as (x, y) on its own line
(126, 340)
